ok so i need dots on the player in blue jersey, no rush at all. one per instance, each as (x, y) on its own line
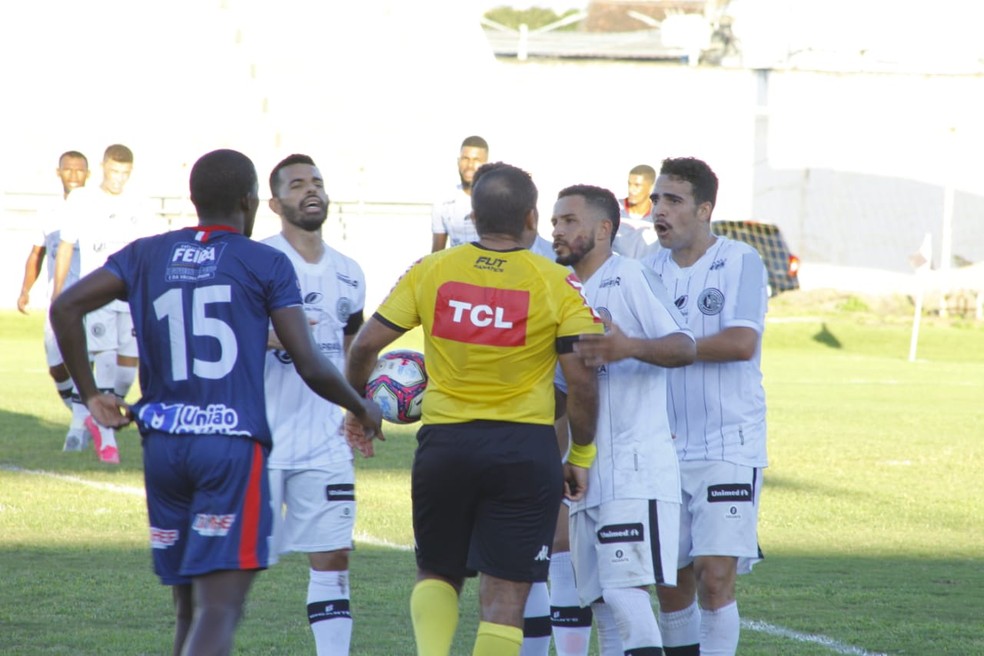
(201, 300)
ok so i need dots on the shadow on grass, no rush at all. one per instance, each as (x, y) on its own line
(824, 336)
(107, 601)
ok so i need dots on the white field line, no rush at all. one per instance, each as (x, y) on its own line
(823, 641)
(752, 625)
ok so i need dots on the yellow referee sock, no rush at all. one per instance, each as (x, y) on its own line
(497, 640)
(434, 612)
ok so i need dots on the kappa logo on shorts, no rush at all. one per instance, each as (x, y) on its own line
(213, 526)
(621, 533)
(340, 492)
(481, 315)
(543, 554)
(162, 538)
(729, 493)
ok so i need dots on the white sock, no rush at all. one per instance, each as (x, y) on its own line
(536, 622)
(571, 624)
(124, 380)
(328, 612)
(65, 388)
(681, 630)
(719, 630)
(609, 642)
(634, 617)
(104, 370)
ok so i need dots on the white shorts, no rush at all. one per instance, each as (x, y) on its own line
(110, 329)
(625, 543)
(719, 516)
(314, 509)
(51, 351)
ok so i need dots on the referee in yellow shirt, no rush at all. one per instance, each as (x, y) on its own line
(487, 479)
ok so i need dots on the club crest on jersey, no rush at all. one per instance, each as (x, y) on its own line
(606, 317)
(193, 262)
(710, 301)
(343, 309)
(481, 315)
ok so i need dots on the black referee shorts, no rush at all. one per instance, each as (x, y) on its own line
(485, 499)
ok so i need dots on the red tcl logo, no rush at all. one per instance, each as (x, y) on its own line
(481, 315)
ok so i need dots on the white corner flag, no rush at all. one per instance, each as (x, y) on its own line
(920, 261)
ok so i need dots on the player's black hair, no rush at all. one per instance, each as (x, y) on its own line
(475, 141)
(646, 171)
(73, 154)
(599, 198)
(220, 180)
(502, 196)
(290, 160)
(697, 173)
(118, 153)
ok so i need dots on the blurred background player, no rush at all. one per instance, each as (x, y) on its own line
(486, 474)
(623, 533)
(203, 298)
(717, 409)
(312, 479)
(73, 171)
(102, 219)
(635, 231)
(451, 218)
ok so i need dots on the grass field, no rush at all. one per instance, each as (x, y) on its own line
(872, 517)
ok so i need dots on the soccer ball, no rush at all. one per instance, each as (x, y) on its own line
(397, 385)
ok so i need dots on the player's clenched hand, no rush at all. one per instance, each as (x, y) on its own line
(361, 430)
(596, 350)
(575, 482)
(109, 410)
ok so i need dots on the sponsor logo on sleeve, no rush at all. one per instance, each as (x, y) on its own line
(481, 315)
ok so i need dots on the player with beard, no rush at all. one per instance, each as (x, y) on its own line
(623, 532)
(452, 218)
(312, 479)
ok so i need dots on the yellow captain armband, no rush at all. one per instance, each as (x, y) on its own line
(582, 456)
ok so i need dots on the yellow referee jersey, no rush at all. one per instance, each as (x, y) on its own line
(493, 323)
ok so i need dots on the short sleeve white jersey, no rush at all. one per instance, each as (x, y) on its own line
(545, 248)
(101, 224)
(635, 235)
(717, 409)
(453, 218)
(49, 237)
(636, 458)
(307, 430)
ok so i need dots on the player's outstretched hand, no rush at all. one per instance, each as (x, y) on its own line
(596, 350)
(109, 410)
(575, 482)
(361, 431)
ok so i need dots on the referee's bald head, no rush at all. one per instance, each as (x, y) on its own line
(502, 197)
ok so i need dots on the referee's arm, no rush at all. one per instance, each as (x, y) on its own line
(582, 398)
